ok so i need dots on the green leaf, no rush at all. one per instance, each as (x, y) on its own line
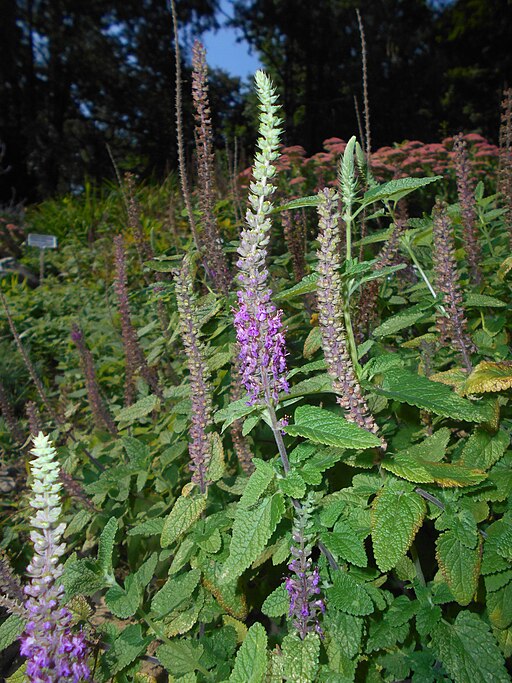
(300, 203)
(180, 656)
(322, 426)
(124, 603)
(397, 514)
(313, 343)
(300, 658)
(398, 322)
(345, 629)
(277, 603)
(125, 649)
(174, 592)
(258, 483)
(437, 398)
(106, 546)
(82, 577)
(252, 529)
(216, 466)
(151, 527)
(306, 285)
(183, 514)
(499, 607)
(137, 451)
(233, 412)
(460, 566)
(483, 300)
(468, 650)
(350, 596)
(347, 545)
(251, 658)
(483, 449)
(146, 571)
(141, 408)
(319, 384)
(394, 190)
(10, 630)
(293, 485)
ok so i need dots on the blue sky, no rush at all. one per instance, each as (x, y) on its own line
(224, 52)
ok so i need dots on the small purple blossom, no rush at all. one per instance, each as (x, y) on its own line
(262, 346)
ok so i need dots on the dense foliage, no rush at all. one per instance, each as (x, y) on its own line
(284, 456)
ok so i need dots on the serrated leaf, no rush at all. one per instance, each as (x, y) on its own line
(398, 322)
(394, 190)
(300, 203)
(106, 546)
(252, 529)
(345, 629)
(397, 514)
(125, 649)
(258, 483)
(482, 450)
(216, 466)
(306, 285)
(226, 593)
(460, 566)
(19, 676)
(151, 527)
(320, 384)
(82, 577)
(489, 377)
(181, 622)
(141, 408)
(313, 343)
(300, 658)
(10, 630)
(251, 659)
(347, 545)
(233, 412)
(124, 603)
(504, 268)
(323, 426)
(293, 485)
(174, 592)
(468, 651)
(483, 300)
(350, 596)
(277, 603)
(499, 607)
(427, 617)
(137, 451)
(183, 514)
(180, 657)
(146, 571)
(432, 396)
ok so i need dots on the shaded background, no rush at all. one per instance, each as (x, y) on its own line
(77, 76)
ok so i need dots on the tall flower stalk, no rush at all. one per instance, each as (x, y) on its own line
(134, 355)
(451, 321)
(258, 323)
(214, 255)
(466, 193)
(102, 417)
(331, 319)
(303, 587)
(53, 653)
(200, 389)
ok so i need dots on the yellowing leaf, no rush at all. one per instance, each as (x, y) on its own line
(489, 377)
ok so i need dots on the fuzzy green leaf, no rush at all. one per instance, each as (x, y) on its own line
(300, 658)
(251, 658)
(184, 513)
(397, 514)
(483, 300)
(468, 650)
(252, 529)
(258, 483)
(10, 630)
(174, 592)
(151, 527)
(277, 603)
(398, 322)
(499, 606)
(306, 285)
(124, 603)
(125, 649)
(233, 412)
(437, 398)
(350, 596)
(460, 566)
(322, 426)
(180, 657)
(106, 546)
(300, 203)
(394, 190)
(141, 408)
(483, 449)
(347, 545)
